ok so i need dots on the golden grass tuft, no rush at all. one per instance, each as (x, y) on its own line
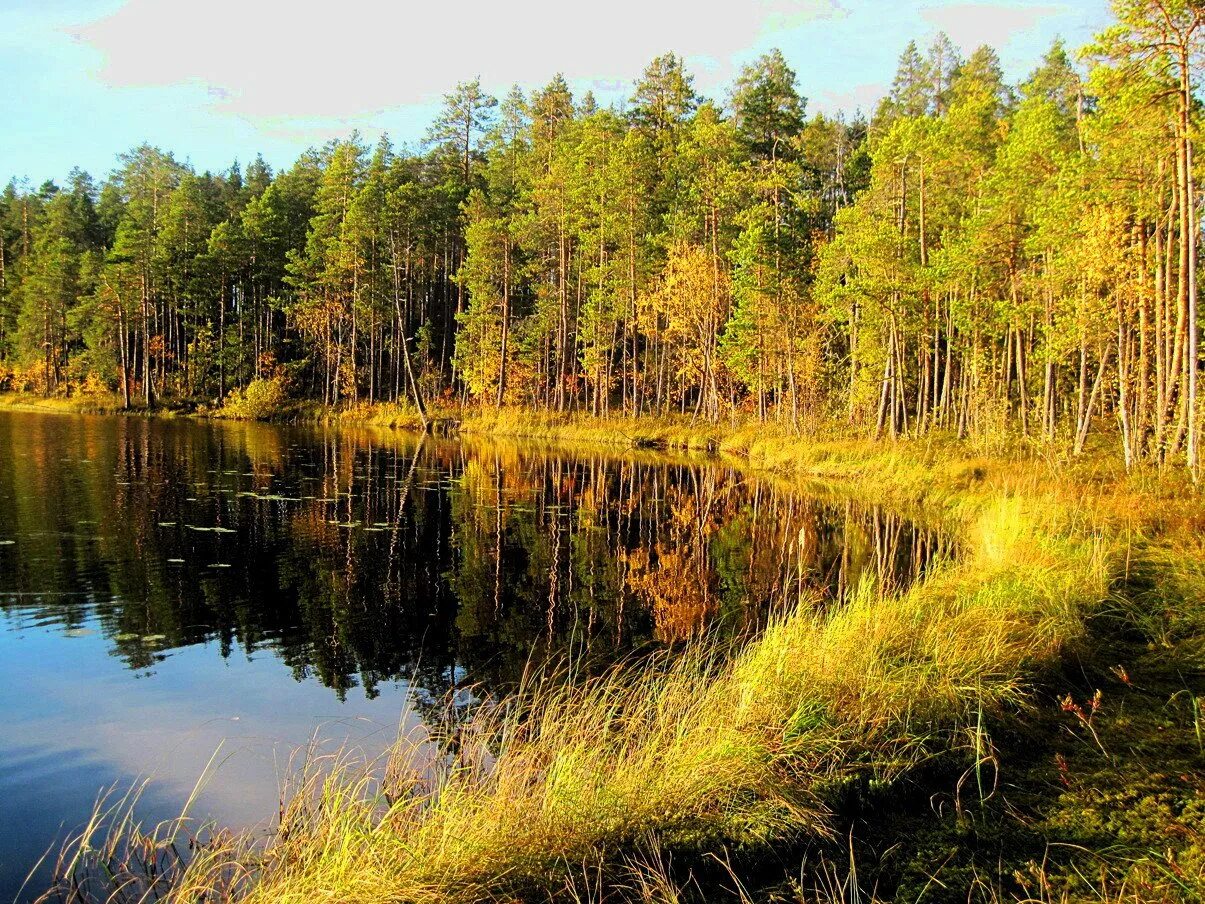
(701, 749)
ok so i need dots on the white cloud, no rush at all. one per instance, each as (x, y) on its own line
(233, 77)
(972, 24)
(268, 60)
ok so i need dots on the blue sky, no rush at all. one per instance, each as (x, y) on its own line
(87, 79)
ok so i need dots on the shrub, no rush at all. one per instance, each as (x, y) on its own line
(259, 400)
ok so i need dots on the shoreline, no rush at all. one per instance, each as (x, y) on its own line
(891, 682)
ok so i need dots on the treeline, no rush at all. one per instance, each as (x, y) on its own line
(978, 257)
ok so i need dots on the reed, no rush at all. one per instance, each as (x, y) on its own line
(706, 748)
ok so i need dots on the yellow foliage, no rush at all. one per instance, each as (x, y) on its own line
(259, 400)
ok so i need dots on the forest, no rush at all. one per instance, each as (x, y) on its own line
(924, 624)
(975, 257)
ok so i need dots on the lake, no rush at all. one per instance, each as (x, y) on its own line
(177, 593)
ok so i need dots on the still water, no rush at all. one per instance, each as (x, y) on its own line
(172, 590)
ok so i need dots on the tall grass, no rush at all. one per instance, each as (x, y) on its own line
(701, 749)
(714, 746)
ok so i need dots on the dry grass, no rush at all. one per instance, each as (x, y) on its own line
(79, 403)
(380, 414)
(644, 432)
(703, 749)
(707, 748)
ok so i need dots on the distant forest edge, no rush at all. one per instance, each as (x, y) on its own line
(976, 257)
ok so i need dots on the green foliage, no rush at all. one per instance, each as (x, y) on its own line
(981, 258)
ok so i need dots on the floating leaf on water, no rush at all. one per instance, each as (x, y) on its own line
(122, 638)
(78, 632)
(153, 638)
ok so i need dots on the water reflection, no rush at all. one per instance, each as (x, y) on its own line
(358, 559)
(169, 585)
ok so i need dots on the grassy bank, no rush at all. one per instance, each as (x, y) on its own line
(239, 407)
(747, 749)
(762, 747)
(80, 403)
(712, 749)
(645, 432)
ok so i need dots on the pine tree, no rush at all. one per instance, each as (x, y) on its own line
(767, 108)
(50, 288)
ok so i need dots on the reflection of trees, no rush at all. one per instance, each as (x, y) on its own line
(359, 559)
(675, 575)
(535, 570)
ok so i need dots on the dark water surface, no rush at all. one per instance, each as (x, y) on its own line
(169, 589)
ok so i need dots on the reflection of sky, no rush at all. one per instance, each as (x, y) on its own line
(96, 508)
(76, 720)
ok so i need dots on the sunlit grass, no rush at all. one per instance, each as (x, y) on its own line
(716, 746)
(79, 403)
(643, 432)
(378, 414)
(705, 748)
